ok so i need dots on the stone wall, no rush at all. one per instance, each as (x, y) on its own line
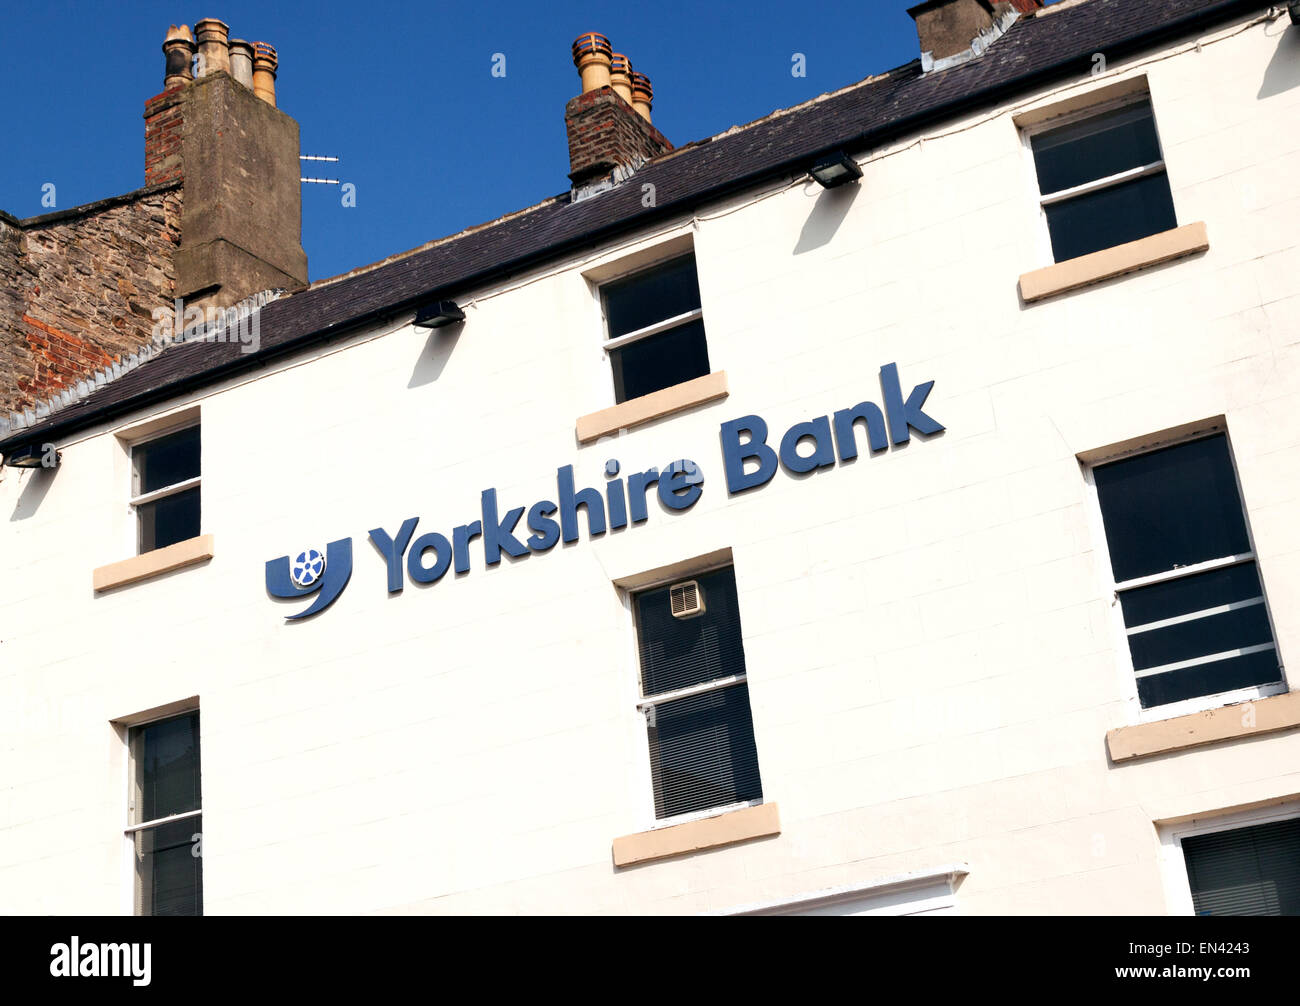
(78, 288)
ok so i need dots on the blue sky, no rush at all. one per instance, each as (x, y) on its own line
(405, 95)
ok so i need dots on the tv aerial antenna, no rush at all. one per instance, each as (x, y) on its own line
(318, 157)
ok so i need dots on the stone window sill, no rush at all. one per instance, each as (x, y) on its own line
(155, 563)
(1111, 262)
(655, 405)
(1245, 719)
(693, 836)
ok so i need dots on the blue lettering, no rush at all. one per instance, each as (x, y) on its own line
(905, 416)
(548, 532)
(462, 536)
(393, 549)
(735, 454)
(846, 436)
(679, 487)
(820, 431)
(570, 501)
(497, 534)
(415, 561)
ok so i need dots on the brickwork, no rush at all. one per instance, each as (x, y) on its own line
(604, 133)
(163, 122)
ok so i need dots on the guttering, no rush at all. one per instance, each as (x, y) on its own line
(795, 164)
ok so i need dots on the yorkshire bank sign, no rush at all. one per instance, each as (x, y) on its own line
(748, 461)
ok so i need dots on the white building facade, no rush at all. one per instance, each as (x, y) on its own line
(914, 684)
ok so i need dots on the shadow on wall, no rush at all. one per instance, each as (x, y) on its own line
(828, 212)
(34, 492)
(435, 354)
(1283, 71)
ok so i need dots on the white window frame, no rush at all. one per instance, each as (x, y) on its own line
(139, 499)
(608, 345)
(1042, 200)
(644, 703)
(1113, 588)
(129, 830)
(1173, 862)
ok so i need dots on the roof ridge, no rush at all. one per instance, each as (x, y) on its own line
(456, 235)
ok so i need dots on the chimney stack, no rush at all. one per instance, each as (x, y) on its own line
(948, 27)
(608, 124)
(236, 157)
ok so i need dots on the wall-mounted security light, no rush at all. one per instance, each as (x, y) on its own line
(836, 169)
(438, 314)
(33, 456)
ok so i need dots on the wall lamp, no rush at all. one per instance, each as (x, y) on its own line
(33, 456)
(836, 169)
(438, 314)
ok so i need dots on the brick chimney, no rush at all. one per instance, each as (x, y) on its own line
(948, 27)
(219, 219)
(608, 128)
(237, 158)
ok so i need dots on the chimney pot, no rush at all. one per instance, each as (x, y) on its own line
(642, 95)
(214, 45)
(264, 63)
(241, 61)
(178, 55)
(591, 55)
(620, 76)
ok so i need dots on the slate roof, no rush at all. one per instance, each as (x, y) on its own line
(1049, 46)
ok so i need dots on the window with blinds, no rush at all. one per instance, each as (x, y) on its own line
(1185, 574)
(166, 817)
(1246, 871)
(695, 697)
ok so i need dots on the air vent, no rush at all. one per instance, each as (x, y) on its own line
(686, 599)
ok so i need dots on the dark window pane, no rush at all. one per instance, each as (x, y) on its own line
(1172, 507)
(677, 652)
(169, 520)
(1110, 216)
(1098, 147)
(167, 460)
(166, 757)
(651, 296)
(1248, 871)
(1209, 679)
(660, 361)
(1191, 593)
(1200, 637)
(169, 876)
(702, 752)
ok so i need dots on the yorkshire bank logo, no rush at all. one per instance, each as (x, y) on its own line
(311, 573)
(748, 463)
